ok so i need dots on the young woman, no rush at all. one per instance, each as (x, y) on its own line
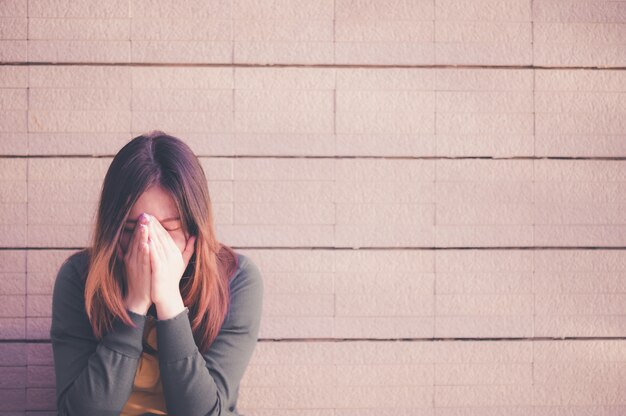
(156, 316)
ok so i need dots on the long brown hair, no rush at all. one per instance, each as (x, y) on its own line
(158, 159)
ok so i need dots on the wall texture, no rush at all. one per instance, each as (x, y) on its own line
(434, 190)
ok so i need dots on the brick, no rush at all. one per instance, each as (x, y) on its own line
(284, 101)
(299, 305)
(79, 77)
(578, 11)
(13, 8)
(39, 306)
(12, 306)
(12, 214)
(394, 235)
(385, 375)
(12, 354)
(383, 396)
(362, 30)
(589, 214)
(397, 144)
(381, 191)
(504, 53)
(13, 235)
(13, 51)
(40, 376)
(38, 328)
(91, 169)
(283, 30)
(484, 10)
(217, 9)
(40, 354)
(511, 326)
(286, 213)
(392, 10)
(62, 213)
(489, 210)
(409, 214)
(59, 235)
(284, 10)
(12, 399)
(579, 145)
(316, 397)
(478, 123)
(483, 373)
(90, 8)
(489, 32)
(579, 326)
(80, 29)
(484, 304)
(79, 51)
(611, 81)
(289, 375)
(13, 143)
(582, 171)
(183, 122)
(47, 192)
(472, 79)
(384, 304)
(191, 51)
(483, 170)
(360, 79)
(78, 99)
(184, 78)
(484, 235)
(384, 53)
(12, 283)
(458, 193)
(484, 395)
(284, 79)
(212, 100)
(485, 102)
(12, 378)
(13, 121)
(12, 261)
(369, 101)
(13, 99)
(297, 327)
(383, 327)
(41, 398)
(79, 121)
(579, 54)
(261, 52)
(13, 28)
(193, 28)
(12, 328)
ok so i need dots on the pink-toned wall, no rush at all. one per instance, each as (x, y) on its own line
(434, 190)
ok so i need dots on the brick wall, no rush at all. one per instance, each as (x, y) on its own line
(471, 150)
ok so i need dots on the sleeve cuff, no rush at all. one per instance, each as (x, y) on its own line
(124, 338)
(175, 337)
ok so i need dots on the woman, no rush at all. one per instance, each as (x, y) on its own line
(155, 316)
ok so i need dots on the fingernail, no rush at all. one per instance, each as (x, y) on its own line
(144, 218)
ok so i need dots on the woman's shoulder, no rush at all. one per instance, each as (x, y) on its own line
(75, 266)
(247, 276)
(247, 271)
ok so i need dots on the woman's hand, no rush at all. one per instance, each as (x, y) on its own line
(168, 264)
(138, 273)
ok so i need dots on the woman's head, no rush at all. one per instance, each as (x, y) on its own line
(158, 174)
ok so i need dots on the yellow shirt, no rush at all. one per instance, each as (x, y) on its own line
(147, 395)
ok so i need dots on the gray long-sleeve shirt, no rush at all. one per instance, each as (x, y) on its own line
(96, 378)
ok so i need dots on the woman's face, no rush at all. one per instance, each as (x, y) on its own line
(158, 203)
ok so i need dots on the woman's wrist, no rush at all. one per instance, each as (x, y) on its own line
(140, 308)
(170, 307)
